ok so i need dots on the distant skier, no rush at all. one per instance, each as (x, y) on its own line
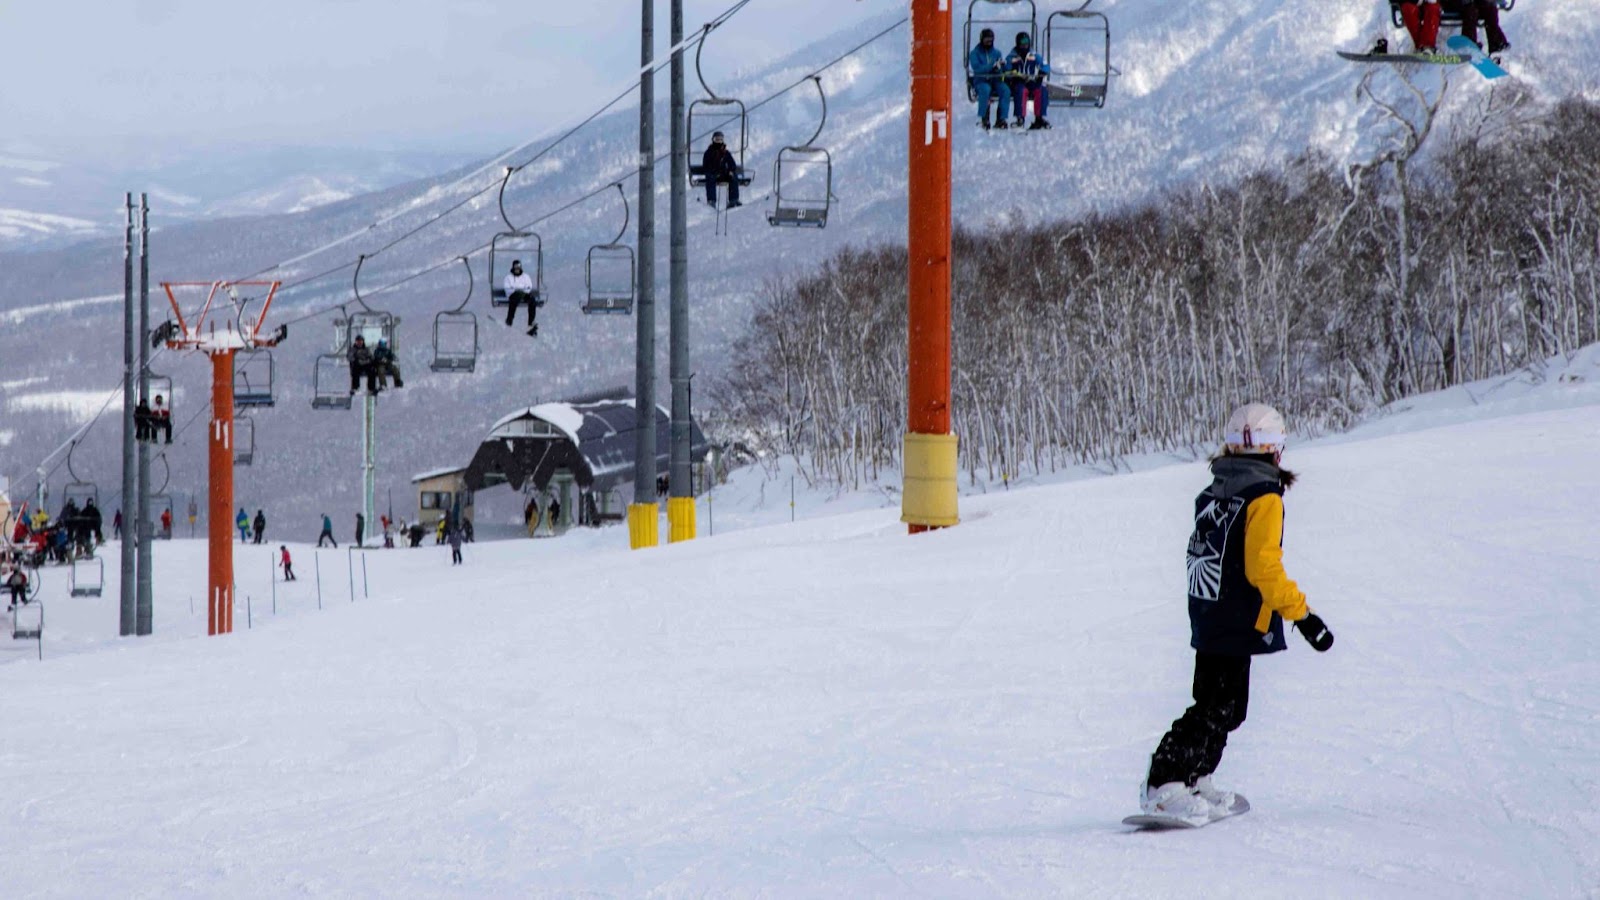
(1027, 72)
(260, 525)
(719, 165)
(92, 523)
(286, 562)
(17, 582)
(1239, 597)
(361, 529)
(466, 530)
(555, 513)
(519, 288)
(455, 546)
(242, 522)
(360, 356)
(116, 525)
(988, 67)
(166, 523)
(160, 419)
(327, 532)
(385, 366)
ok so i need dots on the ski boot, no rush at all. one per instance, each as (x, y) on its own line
(1039, 124)
(1000, 125)
(1380, 48)
(1174, 799)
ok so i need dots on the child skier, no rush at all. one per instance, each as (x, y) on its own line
(286, 562)
(1239, 597)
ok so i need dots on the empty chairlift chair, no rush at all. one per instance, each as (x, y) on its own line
(802, 180)
(161, 506)
(1078, 49)
(244, 441)
(609, 271)
(252, 378)
(88, 576)
(455, 334)
(330, 380)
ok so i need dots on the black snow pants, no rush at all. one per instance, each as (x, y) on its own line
(1193, 748)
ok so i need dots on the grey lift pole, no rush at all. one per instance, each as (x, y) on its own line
(680, 508)
(143, 614)
(129, 465)
(642, 518)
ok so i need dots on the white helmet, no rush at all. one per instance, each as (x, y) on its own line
(1255, 428)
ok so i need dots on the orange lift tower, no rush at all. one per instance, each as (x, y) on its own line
(225, 324)
(929, 498)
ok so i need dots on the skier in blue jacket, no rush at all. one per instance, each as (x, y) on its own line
(988, 68)
(1027, 72)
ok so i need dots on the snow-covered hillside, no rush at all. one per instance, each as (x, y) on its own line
(833, 708)
(1206, 89)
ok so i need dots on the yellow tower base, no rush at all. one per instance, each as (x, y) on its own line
(680, 519)
(930, 480)
(643, 530)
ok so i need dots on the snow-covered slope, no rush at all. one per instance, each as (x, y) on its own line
(832, 708)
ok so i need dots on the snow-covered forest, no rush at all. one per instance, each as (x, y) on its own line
(1333, 291)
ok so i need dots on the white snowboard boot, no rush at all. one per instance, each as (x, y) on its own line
(1220, 802)
(1176, 800)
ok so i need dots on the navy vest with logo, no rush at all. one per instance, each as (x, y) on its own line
(1223, 604)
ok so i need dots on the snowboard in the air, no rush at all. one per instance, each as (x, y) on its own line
(1437, 59)
(1157, 822)
(1475, 55)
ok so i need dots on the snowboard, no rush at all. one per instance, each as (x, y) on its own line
(1438, 59)
(1475, 55)
(1157, 822)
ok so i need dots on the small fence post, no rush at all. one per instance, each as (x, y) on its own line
(365, 591)
(318, 560)
(249, 617)
(272, 576)
(350, 566)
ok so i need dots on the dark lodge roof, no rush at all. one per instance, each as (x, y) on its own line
(594, 441)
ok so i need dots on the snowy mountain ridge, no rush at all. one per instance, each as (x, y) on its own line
(1206, 90)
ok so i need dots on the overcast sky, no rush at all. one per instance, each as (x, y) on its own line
(467, 75)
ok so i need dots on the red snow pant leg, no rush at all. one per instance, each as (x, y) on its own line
(1193, 748)
(1423, 26)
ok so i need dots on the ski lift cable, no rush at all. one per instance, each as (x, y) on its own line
(579, 201)
(498, 161)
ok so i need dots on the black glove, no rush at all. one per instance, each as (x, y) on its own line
(1315, 632)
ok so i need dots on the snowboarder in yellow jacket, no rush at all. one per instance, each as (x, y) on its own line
(1239, 598)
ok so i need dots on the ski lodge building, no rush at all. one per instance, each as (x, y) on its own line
(580, 453)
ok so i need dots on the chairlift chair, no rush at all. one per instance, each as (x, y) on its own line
(1078, 51)
(252, 378)
(455, 334)
(244, 440)
(77, 491)
(160, 386)
(27, 621)
(512, 245)
(802, 180)
(330, 381)
(1004, 25)
(709, 115)
(161, 501)
(1448, 14)
(88, 576)
(609, 271)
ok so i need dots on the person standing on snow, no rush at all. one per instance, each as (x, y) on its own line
(242, 522)
(988, 67)
(260, 525)
(1239, 597)
(286, 562)
(455, 546)
(361, 529)
(327, 532)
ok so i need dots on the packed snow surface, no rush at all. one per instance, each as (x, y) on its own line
(833, 708)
